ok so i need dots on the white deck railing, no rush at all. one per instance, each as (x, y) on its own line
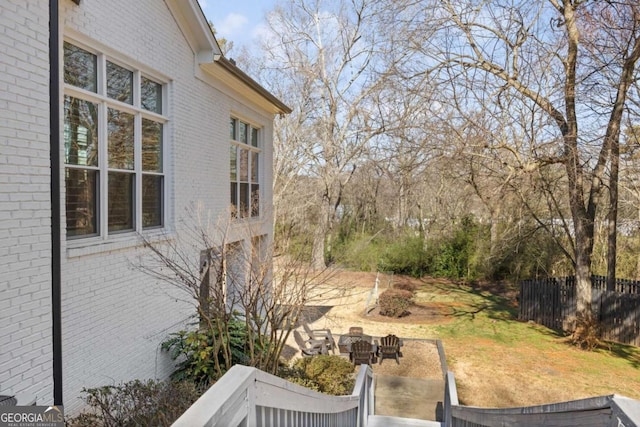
(249, 397)
(606, 411)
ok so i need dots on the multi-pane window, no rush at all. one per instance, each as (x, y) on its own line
(244, 169)
(113, 146)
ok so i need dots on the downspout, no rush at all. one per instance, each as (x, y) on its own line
(54, 125)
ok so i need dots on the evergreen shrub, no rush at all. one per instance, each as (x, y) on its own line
(324, 373)
(406, 255)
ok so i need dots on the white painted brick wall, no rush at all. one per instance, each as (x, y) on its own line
(25, 233)
(114, 318)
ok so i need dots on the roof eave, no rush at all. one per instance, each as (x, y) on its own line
(236, 72)
(195, 27)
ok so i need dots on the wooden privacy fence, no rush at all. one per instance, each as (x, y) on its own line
(552, 302)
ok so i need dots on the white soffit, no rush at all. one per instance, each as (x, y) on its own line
(195, 28)
(232, 77)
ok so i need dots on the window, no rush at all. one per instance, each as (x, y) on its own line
(244, 169)
(113, 146)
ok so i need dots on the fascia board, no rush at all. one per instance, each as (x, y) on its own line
(194, 26)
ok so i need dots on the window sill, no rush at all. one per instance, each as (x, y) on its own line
(96, 245)
(259, 218)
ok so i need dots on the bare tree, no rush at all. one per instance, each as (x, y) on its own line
(224, 269)
(325, 49)
(574, 60)
(630, 182)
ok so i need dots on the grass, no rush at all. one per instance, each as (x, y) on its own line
(499, 361)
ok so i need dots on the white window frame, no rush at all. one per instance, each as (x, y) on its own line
(251, 149)
(104, 103)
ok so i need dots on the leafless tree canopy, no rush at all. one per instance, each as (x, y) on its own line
(405, 112)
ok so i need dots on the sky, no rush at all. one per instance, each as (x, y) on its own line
(239, 21)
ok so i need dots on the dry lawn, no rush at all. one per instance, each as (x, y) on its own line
(497, 360)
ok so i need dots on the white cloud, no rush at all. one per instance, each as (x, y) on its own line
(231, 24)
(203, 4)
(262, 32)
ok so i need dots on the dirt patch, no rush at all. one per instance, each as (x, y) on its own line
(420, 313)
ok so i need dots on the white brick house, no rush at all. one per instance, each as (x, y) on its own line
(145, 119)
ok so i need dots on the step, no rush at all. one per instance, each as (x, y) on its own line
(385, 421)
(415, 398)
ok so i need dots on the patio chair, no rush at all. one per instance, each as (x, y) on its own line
(321, 334)
(361, 352)
(310, 347)
(356, 330)
(390, 348)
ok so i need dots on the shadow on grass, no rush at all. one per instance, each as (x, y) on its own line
(624, 351)
(497, 302)
(473, 300)
(541, 329)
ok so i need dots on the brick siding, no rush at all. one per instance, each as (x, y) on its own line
(25, 215)
(114, 317)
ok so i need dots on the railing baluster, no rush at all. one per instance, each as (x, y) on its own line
(251, 398)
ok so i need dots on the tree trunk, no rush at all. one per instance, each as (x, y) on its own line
(317, 251)
(203, 297)
(583, 251)
(402, 203)
(495, 213)
(612, 217)
(320, 236)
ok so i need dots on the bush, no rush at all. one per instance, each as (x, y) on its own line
(136, 403)
(395, 302)
(454, 256)
(199, 351)
(325, 373)
(406, 255)
(361, 252)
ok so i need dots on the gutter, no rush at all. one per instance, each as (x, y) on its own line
(231, 68)
(54, 126)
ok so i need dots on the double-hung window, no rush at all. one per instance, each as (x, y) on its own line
(114, 126)
(244, 165)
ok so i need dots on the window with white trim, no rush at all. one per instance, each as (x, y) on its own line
(114, 126)
(244, 165)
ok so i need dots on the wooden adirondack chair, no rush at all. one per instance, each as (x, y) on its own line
(310, 347)
(356, 330)
(390, 348)
(361, 352)
(321, 334)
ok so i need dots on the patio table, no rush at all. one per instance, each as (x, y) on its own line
(345, 341)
